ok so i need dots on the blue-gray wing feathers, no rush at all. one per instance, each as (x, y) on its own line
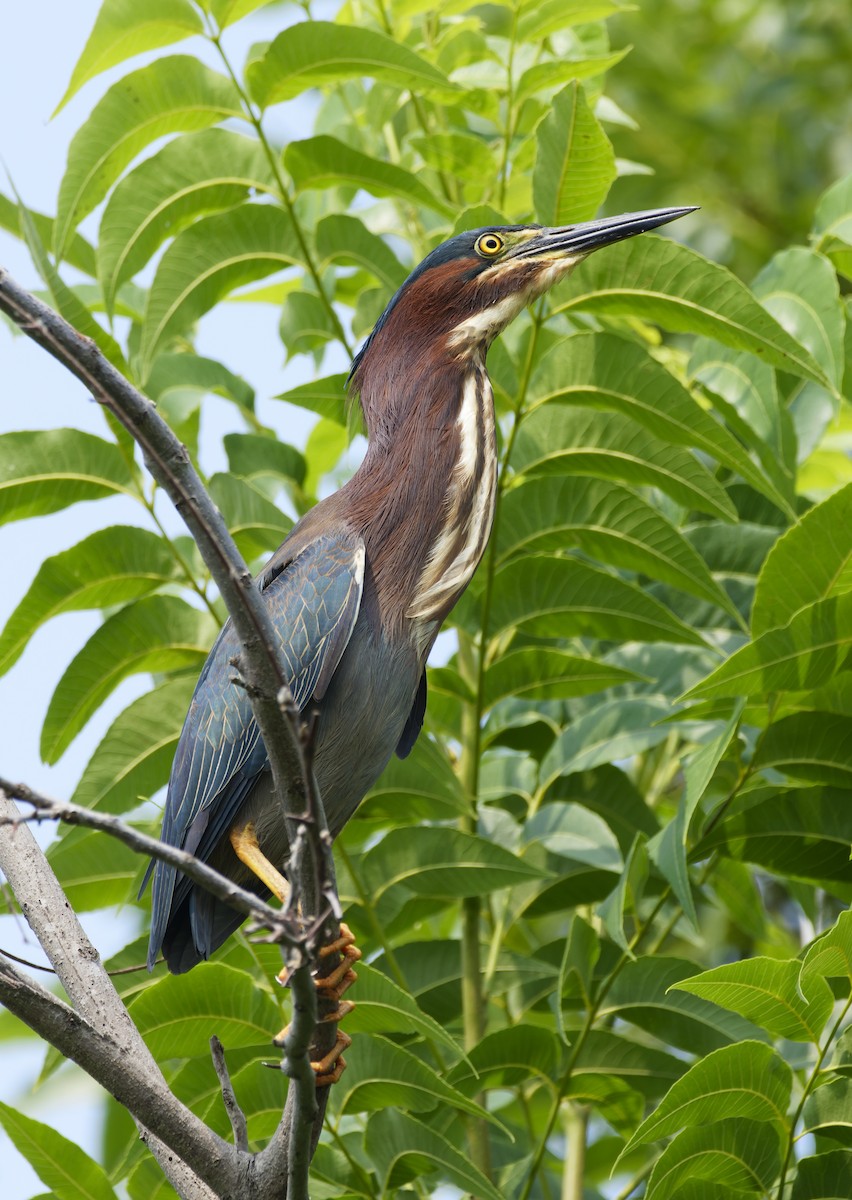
(313, 601)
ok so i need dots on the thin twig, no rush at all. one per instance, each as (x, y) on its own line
(236, 1116)
(211, 881)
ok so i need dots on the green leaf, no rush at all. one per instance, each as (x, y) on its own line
(156, 633)
(383, 1007)
(254, 522)
(192, 175)
(423, 784)
(805, 654)
(614, 730)
(649, 1070)
(832, 229)
(800, 289)
(741, 1155)
(462, 155)
(67, 301)
(540, 20)
(815, 747)
(316, 53)
(383, 1075)
(305, 325)
(326, 397)
(545, 75)
(172, 94)
(228, 12)
(803, 833)
(44, 471)
(562, 597)
(442, 863)
(59, 1163)
(811, 561)
(626, 894)
(405, 1149)
(823, 1177)
(253, 454)
(509, 1058)
(181, 373)
(565, 439)
(543, 673)
(323, 162)
(134, 757)
(828, 1111)
(95, 871)
(667, 849)
(177, 1015)
(607, 522)
(682, 291)
(574, 164)
(125, 28)
(610, 373)
(79, 254)
(208, 260)
(571, 831)
(343, 238)
(107, 568)
(831, 954)
(767, 991)
(643, 995)
(745, 1080)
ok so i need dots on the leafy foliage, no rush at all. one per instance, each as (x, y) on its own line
(633, 785)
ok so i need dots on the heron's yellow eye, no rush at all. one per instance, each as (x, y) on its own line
(489, 245)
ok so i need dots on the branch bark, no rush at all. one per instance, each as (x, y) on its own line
(266, 684)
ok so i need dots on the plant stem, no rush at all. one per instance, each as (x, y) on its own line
(806, 1091)
(576, 1128)
(284, 195)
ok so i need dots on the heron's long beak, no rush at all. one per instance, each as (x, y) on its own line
(576, 240)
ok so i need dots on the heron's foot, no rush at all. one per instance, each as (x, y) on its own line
(247, 849)
(330, 988)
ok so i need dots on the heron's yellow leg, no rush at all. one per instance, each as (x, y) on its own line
(244, 840)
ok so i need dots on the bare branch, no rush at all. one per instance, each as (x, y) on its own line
(126, 1077)
(235, 1114)
(283, 929)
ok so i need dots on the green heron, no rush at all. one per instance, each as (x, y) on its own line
(360, 587)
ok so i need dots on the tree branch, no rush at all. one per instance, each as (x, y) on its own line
(236, 1115)
(263, 672)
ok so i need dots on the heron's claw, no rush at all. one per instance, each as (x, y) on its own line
(331, 987)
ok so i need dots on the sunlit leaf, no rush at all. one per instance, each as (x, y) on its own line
(46, 470)
(172, 94)
(813, 560)
(156, 633)
(343, 238)
(59, 1163)
(323, 162)
(134, 757)
(614, 730)
(208, 260)
(176, 1015)
(563, 438)
(606, 521)
(181, 373)
(542, 673)
(828, 1111)
(768, 992)
(686, 293)
(815, 747)
(823, 1177)
(199, 173)
(744, 1080)
(575, 163)
(125, 28)
(831, 954)
(109, 567)
(254, 522)
(314, 53)
(741, 1155)
(560, 597)
(803, 655)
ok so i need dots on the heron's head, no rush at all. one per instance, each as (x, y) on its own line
(453, 305)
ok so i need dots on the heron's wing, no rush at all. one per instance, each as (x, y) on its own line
(313, 599)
